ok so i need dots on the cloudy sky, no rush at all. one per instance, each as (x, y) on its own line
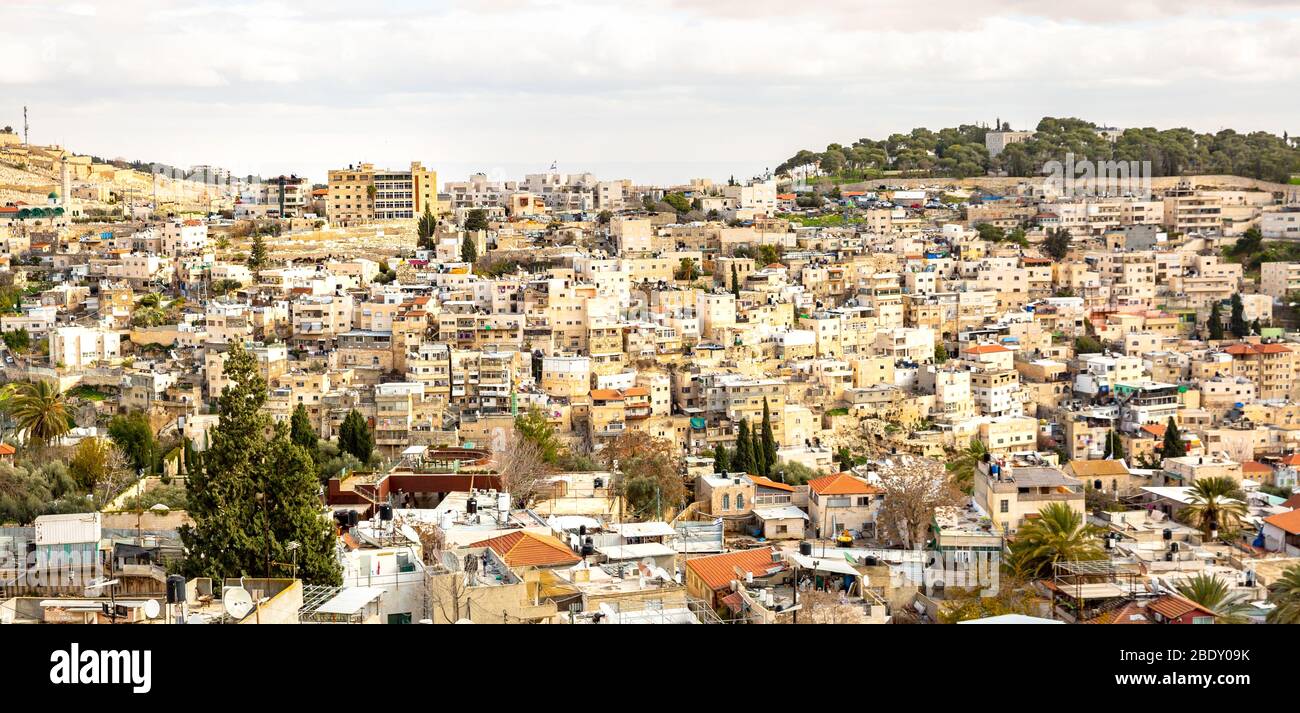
(653, 91)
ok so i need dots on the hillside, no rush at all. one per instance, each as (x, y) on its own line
(960, 153)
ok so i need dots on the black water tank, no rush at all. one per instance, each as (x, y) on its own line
(805, 548)
(1169, 534)
(582, 530)
(353, 518)
(471, 505)
(385, 512)
(175, 589)
(872, 561)
(588, 546)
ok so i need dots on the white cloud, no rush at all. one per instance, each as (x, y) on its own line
(298, 87)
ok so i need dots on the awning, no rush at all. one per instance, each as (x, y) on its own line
(822, 564)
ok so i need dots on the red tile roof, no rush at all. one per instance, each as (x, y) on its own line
(1173, 606)
(1288, 521)
(762, 482)
(525, 549)
(1246, 349)
(843, 484)
(7, 450)
(1155, 429)
(987, 349)
(717, 571)
(1131, 613)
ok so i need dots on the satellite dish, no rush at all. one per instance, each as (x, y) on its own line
(196, 619)
(237, 602)
(152, 609)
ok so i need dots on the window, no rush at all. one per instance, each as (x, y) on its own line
(1005, 506)
(726, 502)
(740, 501)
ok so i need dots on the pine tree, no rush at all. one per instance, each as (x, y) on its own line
(355, 436)
(1216, 323)
(468, 250)
(301, 431)
(721, 459)
(424, 230)
(769, 441)
(1237, 322)
(1173, 447)
(1256, 328)
(253, 491)
(744, 458)
(257, 255)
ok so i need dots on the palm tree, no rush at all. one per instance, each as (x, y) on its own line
(1058, 535)
(962, 468)
(1212, 593)
(1215, 507)
(1284, 594)
(41, 412)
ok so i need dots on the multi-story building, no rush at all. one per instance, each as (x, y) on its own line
(364, 194)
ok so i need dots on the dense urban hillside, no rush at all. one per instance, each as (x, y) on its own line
(960, 152)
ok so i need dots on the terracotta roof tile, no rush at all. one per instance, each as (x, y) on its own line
(525, 549)
(717, 571)
(1288, 521)
(843, 484)
(1172, 606)
(762, 482)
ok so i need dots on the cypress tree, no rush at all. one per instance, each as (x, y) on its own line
(253, 492)
(744, 458)
(355, 436)
(300, 430)
(424, 230)
(1216, 322)
(721, 459)
(769, 440)
(1173, 447)
(1114, 447)
(735, 283)
(468, 249)
(1237, 321)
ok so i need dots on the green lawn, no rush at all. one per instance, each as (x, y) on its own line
(89, 393)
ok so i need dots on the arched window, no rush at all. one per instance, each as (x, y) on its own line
(726, 502)
(740, 501)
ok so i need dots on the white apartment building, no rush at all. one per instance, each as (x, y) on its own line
(83, 347)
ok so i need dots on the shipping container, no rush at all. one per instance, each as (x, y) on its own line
(68, 529)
